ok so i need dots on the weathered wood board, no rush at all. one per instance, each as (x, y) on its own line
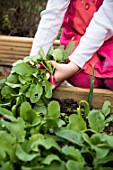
(15, 48)
(70, 92)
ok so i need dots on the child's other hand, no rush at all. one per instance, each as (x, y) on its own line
(63, 71)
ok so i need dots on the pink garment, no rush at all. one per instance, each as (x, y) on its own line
(82, 80)
(76, 20)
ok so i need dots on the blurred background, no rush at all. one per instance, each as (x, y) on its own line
(20, 17)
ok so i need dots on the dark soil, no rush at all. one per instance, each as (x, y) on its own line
(68, 106)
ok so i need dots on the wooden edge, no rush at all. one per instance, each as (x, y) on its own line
(21, 39)
(77, 94)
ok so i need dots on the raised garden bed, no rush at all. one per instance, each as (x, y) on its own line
(15, 48)
(47, 129)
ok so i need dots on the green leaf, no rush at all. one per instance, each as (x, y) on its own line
(69, 49)
(5, 112)
(7, 166)
(13, 85)
(16, 128)
(37, 167)
(105, 160)
(55, 166)
(73, 153)
(6, 103)
(71, 136)
(7, 92)
(7, 146)
(40, 109)
(24, 156)
(109, 119)
(21, 79)
(50, 158)
(47, 143)
(101, 153)
(74, 165)
(26, 112)
(13, 78)
(96, 120)
(76, 123)
(58, 55)
(19, 100)
(106, 107)
(2, 83)
(42, 54)
(48, 89)
(54, 109)
(51, 50)
(23, 89)
(24, 69)
(34, 93)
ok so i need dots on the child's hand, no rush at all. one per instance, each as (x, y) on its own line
(63, 71)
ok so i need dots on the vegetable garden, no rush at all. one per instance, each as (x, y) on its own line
(39, 132)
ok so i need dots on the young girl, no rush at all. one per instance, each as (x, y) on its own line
(76, 16)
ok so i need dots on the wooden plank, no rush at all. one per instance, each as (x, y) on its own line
(7, 49)
(24, 53)
(15, 39)
(11, 56)
(20, 39)
(15, 44)
(99, 95)
(14, 48)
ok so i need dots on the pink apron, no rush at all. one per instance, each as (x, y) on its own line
(76, 20)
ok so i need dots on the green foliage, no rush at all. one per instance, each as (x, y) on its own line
(33, 132)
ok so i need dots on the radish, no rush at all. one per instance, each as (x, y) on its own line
(52, 81)
(40, 66)
(67, 60)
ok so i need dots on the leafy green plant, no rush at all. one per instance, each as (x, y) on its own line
(33, 132)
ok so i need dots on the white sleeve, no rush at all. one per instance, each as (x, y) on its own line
(49, 26)
(99, 30)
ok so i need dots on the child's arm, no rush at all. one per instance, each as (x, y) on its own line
(99, 30)
(50, 23)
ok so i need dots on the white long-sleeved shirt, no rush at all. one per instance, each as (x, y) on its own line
(49, 26)
(99, 30)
